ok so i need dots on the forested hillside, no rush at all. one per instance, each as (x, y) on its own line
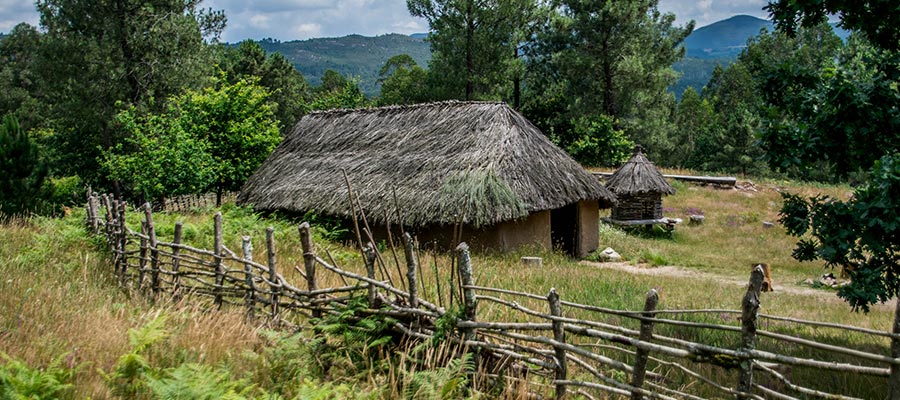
(355, 56)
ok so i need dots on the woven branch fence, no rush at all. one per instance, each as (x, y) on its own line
(577, 349)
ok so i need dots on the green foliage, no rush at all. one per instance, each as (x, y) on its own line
(159, 157)
(288, 89)
(91, 58)
(212, 139)
(861, 235)
(596, 142)
(22, 171)
(474, 44)
(238, 124)
(878, 19)
(337, 92)
(448, 382)
(403, 82)
(197, 382)
(127, 376)
(19, 381)
(349, 337)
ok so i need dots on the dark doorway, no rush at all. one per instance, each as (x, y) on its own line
(564, 228)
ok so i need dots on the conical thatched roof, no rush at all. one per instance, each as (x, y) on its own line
(638, 175)
(481, 160)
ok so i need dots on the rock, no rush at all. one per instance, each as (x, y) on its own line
(697, 219)
(809, 282)
(609, 254)
(767, 224)
(532, 261)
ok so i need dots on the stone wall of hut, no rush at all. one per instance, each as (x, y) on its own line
(637, 207)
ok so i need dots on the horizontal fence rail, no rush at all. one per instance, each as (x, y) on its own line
(574, 348)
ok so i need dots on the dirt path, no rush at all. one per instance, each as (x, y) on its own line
(679, 272)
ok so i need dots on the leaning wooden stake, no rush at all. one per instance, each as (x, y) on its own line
(640, 362)
(749, 313)
(154, 250)
(894, 380)
(247, 254)
(370, 260)
(411, 268)
(176, 262)
(309, 262)
(218, 254)
(559, 335)
(468, 281)
(273, 273)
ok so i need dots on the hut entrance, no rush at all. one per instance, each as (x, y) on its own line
(564, 228)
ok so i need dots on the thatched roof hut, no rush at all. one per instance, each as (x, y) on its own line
(639, 187)
(479, 163)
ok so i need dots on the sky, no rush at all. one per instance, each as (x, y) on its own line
(303, 19)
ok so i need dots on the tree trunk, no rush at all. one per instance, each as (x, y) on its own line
(470, 58)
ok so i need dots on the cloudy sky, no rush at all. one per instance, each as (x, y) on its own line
(303, 19)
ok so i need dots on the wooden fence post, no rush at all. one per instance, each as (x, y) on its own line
(154, 250)
(142, 257)
(247, 254)
(640, 361)
(123, 243)
(176, 262)
(273, 272)
(559, 335)
(309, 263)
(749, 313)
(411, 269)
(220, 266)
(370, 260)
(894, 380)
(469, 302)
(108, 218)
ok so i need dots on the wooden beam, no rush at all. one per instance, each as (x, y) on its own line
(717, 180)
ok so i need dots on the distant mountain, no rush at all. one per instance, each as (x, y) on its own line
(353, 55)
(724, 38)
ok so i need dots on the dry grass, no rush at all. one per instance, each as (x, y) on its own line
(57, 295)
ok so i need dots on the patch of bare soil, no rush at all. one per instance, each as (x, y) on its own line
(680, 272)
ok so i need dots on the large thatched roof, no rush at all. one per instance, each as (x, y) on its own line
(481, 160)
(637, 176)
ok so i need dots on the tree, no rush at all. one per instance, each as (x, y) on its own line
(237, 123)
(877, 19)
(403, 81)
(98, 57)
(290, 93)
(336, 92)
(593, 58)
(860, 235)
(164, 159)
(695, 121)
(21, 171)
(474, 43)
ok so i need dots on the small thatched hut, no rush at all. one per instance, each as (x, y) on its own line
(639, 187)
(477, 164)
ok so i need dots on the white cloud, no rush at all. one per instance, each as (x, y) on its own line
(303, 19)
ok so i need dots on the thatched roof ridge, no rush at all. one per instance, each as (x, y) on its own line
(637, 176)
(446, 160)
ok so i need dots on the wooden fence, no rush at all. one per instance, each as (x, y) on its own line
(575, 348)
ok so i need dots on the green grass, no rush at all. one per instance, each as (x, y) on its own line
(58, 297)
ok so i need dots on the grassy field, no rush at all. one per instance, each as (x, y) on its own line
(59, 301)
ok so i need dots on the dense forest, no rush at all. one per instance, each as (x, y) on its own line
(146, 102)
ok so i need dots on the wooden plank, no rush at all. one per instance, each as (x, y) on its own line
(661, 221)
(717, 180)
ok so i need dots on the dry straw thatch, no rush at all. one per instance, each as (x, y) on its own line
(638, 176)
(478, 163)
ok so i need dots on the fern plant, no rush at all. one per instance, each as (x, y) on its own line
(19, 381)
(197, 382)
(443, 383)
(126, 377)
(347, 334)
